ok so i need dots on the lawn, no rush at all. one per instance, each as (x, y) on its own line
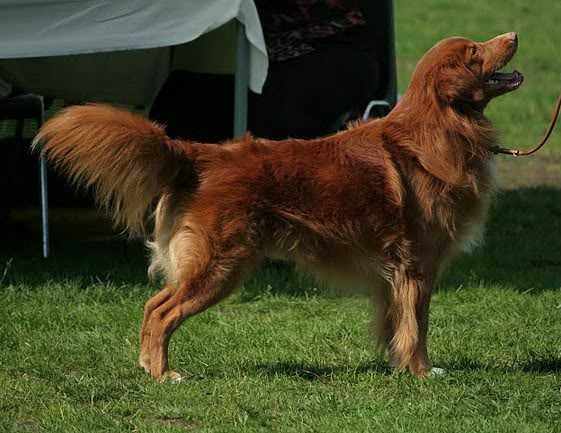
(285, 354)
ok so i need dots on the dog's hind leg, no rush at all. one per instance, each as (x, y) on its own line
(195, 294)
(206, 272)
(153, 303)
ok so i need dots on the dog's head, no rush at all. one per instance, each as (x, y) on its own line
(459, 71)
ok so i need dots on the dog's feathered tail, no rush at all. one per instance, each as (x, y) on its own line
(128, 160)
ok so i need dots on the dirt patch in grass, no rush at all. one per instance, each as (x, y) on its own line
(177, 422)
(536, 170)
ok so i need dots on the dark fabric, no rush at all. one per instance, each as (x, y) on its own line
(20, 183)
(196, 106)
(302, 97)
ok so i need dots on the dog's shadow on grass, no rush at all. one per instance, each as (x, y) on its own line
(312, 373)
(543, 366)
(540, 366)
(522, 246)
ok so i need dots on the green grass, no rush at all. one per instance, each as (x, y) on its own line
(287, 355)
(284, 354)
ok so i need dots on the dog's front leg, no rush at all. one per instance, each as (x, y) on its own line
(408, 312)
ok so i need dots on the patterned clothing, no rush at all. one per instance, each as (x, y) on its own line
(296, 27)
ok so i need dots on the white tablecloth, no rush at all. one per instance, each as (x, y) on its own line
(41, 28)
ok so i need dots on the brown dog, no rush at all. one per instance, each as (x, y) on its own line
(386, 203)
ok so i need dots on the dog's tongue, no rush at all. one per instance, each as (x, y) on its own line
(504, 81)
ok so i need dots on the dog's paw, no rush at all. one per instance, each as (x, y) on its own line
(144, 362)
(436, 372)
(171, 377)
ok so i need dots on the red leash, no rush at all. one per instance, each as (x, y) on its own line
(517, 152)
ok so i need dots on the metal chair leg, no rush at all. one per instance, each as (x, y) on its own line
(385, 106)
(44, 205)
(21, 107)
(44, 189)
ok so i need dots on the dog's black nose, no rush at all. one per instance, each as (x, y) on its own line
(513, 36)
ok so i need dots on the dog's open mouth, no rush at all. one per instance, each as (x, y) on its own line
(500, 82)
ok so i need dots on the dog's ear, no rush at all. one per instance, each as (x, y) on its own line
(441, 161)
(446, 171)
(441, 156)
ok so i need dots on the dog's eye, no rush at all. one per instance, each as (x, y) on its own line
(473, 50)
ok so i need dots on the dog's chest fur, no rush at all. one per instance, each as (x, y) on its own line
(463, 224)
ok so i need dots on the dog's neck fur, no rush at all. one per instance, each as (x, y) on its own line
(448, 157)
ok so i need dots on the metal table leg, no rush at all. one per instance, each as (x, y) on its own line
(241, 81)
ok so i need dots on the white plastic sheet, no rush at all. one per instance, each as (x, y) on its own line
(38, 28)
